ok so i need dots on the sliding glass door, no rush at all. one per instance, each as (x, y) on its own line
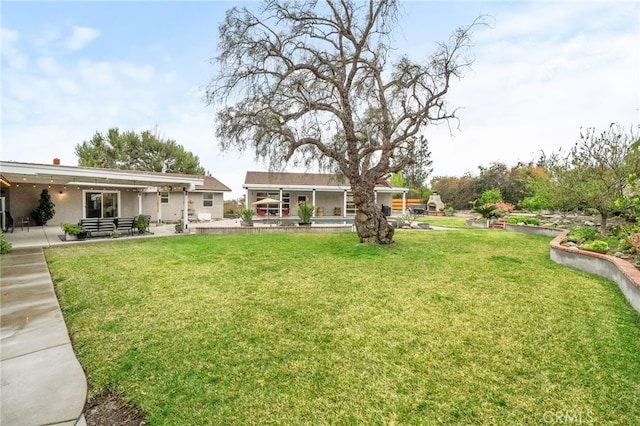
(101, 204)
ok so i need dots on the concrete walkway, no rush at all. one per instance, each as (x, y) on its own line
(42, 382)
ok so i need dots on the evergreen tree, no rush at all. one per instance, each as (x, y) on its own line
(45, 210)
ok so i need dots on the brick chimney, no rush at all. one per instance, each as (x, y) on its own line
(56, 161)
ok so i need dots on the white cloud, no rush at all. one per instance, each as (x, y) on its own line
(97, 73)
(543, 71)
(80, 37)
(538, 78)
(10, 52)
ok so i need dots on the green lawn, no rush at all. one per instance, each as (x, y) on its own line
(445, 221)
(459, 327)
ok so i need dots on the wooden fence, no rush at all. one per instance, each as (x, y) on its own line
(396, 203)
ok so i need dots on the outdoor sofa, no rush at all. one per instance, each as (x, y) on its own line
(96, 227)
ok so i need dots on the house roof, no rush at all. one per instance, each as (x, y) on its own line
(15, 172)
(271, 180)
(288, 179)
(212, 184)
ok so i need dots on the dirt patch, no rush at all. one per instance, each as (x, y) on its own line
(109, 410)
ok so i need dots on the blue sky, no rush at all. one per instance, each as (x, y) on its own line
(542, 71)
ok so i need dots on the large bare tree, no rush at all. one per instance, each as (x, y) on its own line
(311, 83)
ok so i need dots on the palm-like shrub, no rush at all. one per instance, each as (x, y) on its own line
(246, 215)
(486, 210)
(305, 211)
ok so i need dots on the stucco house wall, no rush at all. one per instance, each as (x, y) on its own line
(331, 192)
(136, 191)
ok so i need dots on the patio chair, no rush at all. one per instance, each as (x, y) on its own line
(23, 221)
(261, 212)
(286, 211)
(8, 222)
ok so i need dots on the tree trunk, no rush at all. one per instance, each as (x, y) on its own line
(371, 224)
(603, 222)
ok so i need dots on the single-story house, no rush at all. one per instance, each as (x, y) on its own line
(328, 193)
(87, 192)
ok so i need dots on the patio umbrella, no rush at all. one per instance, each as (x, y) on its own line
(266, 201)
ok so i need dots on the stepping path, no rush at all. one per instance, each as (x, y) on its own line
(42, 382)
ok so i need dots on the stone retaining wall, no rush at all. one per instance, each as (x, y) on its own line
(477, 223)
(533, 230)
(618, 270)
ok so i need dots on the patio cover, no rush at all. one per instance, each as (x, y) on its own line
(46, 174)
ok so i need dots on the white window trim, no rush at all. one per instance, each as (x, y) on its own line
(213, 196)
(168, 197)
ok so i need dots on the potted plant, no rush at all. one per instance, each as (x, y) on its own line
(305, 211)
(116, 232)
(140, 224)
(449, 211)
(247, 216)
(72, 232)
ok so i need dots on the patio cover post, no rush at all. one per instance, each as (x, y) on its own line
(344, 204)
(313, 201)
(159, 207)
(185, 210)
(404, 201)
(139, 202)
(280, 205)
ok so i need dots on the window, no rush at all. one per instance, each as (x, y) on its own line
(101, 204)
(207, 199)
(164, 197)
(273, 208)
(351, 207)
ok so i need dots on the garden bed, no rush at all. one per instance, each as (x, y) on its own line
(621, 271)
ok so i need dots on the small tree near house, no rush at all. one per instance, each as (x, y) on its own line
(45, 210)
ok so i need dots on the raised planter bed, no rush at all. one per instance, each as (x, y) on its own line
(533, 229)
(618, 270)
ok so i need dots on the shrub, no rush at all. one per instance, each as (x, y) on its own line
(580, 235)
(486, 210)
(140, 224)
(246, 215)
(523, 219)
(71, 229)
(305, 211)
(596, 245)
(5, 246)
(503, 209)
(491, 196)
